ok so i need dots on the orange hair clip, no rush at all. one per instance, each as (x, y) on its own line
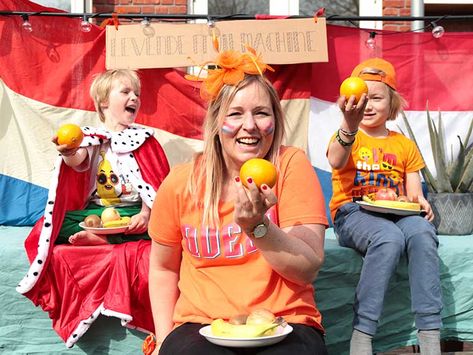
(231, 67)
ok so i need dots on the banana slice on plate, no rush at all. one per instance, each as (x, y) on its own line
(222, 328)
(122, 222)
(398, 204)
(412, 206)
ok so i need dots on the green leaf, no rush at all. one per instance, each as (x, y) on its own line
(457, 166)
(454, 174)
(426, 173)
(466, 180)
(437, 139)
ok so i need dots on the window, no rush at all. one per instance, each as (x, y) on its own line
(247, 7)
(57, 4)
(275, 7)
(67, 5)
(334, 7)
(233, 7)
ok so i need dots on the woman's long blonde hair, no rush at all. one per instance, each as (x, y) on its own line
(207, 178)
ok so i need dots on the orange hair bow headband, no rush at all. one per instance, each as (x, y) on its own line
(231, 67)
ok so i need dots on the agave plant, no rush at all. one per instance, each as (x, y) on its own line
(454, 174)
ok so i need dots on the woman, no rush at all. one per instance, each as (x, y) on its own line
(220, 249)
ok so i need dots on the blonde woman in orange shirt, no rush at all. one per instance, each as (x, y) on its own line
(220, 249)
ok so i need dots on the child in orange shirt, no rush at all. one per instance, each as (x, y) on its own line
(365, 157)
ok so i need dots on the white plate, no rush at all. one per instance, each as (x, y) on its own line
(380, 209)
(281, 333)
(114, 230)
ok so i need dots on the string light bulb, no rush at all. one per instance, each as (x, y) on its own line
(371, 41)
(437, 30)
(26, 25)
(85, 25)
(214, 33)
(146, 26)
(145, 22)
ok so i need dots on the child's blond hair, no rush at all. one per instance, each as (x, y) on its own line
(102, 85)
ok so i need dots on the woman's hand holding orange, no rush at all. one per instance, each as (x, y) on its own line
(251, 204)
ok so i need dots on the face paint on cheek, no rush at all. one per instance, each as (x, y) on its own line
(229, 129)
(266, 128)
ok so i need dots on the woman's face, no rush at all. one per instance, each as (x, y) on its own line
(248, 127)
(122, 106)
(378, 106)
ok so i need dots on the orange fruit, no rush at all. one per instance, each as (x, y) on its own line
(260, 170)
(353, 86)
(70, 134)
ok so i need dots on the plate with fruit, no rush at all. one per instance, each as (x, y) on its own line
(109, 222)
(260, 328)
(386, 201)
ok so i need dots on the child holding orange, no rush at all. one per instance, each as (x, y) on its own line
(365, 156)
(119, 164)
(106, 153)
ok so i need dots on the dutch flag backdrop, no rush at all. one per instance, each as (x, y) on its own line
(45, 76)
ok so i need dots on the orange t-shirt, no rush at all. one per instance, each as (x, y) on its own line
(222, 272)
(375, 163)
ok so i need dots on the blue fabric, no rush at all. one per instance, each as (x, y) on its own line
(21, 203)
(325, 179)
(382, 239)
(26, 329)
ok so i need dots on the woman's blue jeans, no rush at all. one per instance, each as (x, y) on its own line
(382, 239)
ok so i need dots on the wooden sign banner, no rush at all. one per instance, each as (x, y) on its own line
(168, 45)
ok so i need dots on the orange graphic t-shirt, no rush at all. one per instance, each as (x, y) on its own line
(222, 272)
(375, 163)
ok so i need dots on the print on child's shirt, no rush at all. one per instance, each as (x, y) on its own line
(112, 187)
(376, 169)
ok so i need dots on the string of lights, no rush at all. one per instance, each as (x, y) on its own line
(232, 17)
(437, 31)
(85, 26)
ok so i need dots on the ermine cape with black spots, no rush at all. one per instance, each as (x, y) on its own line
(75, 284)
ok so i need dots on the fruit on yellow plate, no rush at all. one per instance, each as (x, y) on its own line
(403, 198)
(93, 221)
(393, 204)
(70, 134)
(353, 86)
(221, 328)
(260, 170)
(386, 193)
